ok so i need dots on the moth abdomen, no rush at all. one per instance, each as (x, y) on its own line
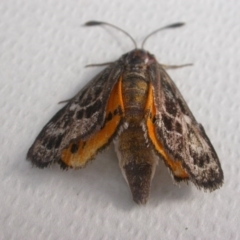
(137, 162)
(136, 158)
(139, 177)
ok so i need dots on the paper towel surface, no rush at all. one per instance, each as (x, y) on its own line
(44, 50)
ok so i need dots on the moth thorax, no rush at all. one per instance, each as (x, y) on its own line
(134, 93)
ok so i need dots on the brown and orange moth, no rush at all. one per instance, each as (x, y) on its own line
(135, 104)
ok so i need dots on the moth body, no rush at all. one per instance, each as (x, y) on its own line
(134, 102)
(136, 156)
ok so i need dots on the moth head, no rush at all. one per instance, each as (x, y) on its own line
(138, 57)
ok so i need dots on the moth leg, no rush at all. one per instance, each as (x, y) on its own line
(99, 64)
(77, 154)
(175, 166)
(176, 66)
(89, 65)
(65, 101)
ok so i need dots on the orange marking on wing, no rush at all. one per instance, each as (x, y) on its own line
(175, 166)
(77, 155)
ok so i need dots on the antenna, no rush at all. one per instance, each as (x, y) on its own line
(174, 25)
(95, 23)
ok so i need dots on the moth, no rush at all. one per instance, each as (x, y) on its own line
(134, 103)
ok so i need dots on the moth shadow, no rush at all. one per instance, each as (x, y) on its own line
(109, 184)
(164, 188)
(113, 189)
(102, 180)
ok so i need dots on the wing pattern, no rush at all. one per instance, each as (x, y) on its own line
(80, 119)
(181, 136)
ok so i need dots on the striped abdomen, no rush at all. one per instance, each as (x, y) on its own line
(136, 157)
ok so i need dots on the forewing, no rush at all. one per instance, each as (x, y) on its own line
(175, 167)
(182, 138)
(81, 118)
(77, 154)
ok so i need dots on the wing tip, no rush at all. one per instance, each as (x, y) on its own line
(211, 184)
(35, 161)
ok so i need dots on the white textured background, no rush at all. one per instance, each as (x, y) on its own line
(43, 51)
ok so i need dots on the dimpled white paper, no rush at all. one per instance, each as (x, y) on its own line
(44, 49)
